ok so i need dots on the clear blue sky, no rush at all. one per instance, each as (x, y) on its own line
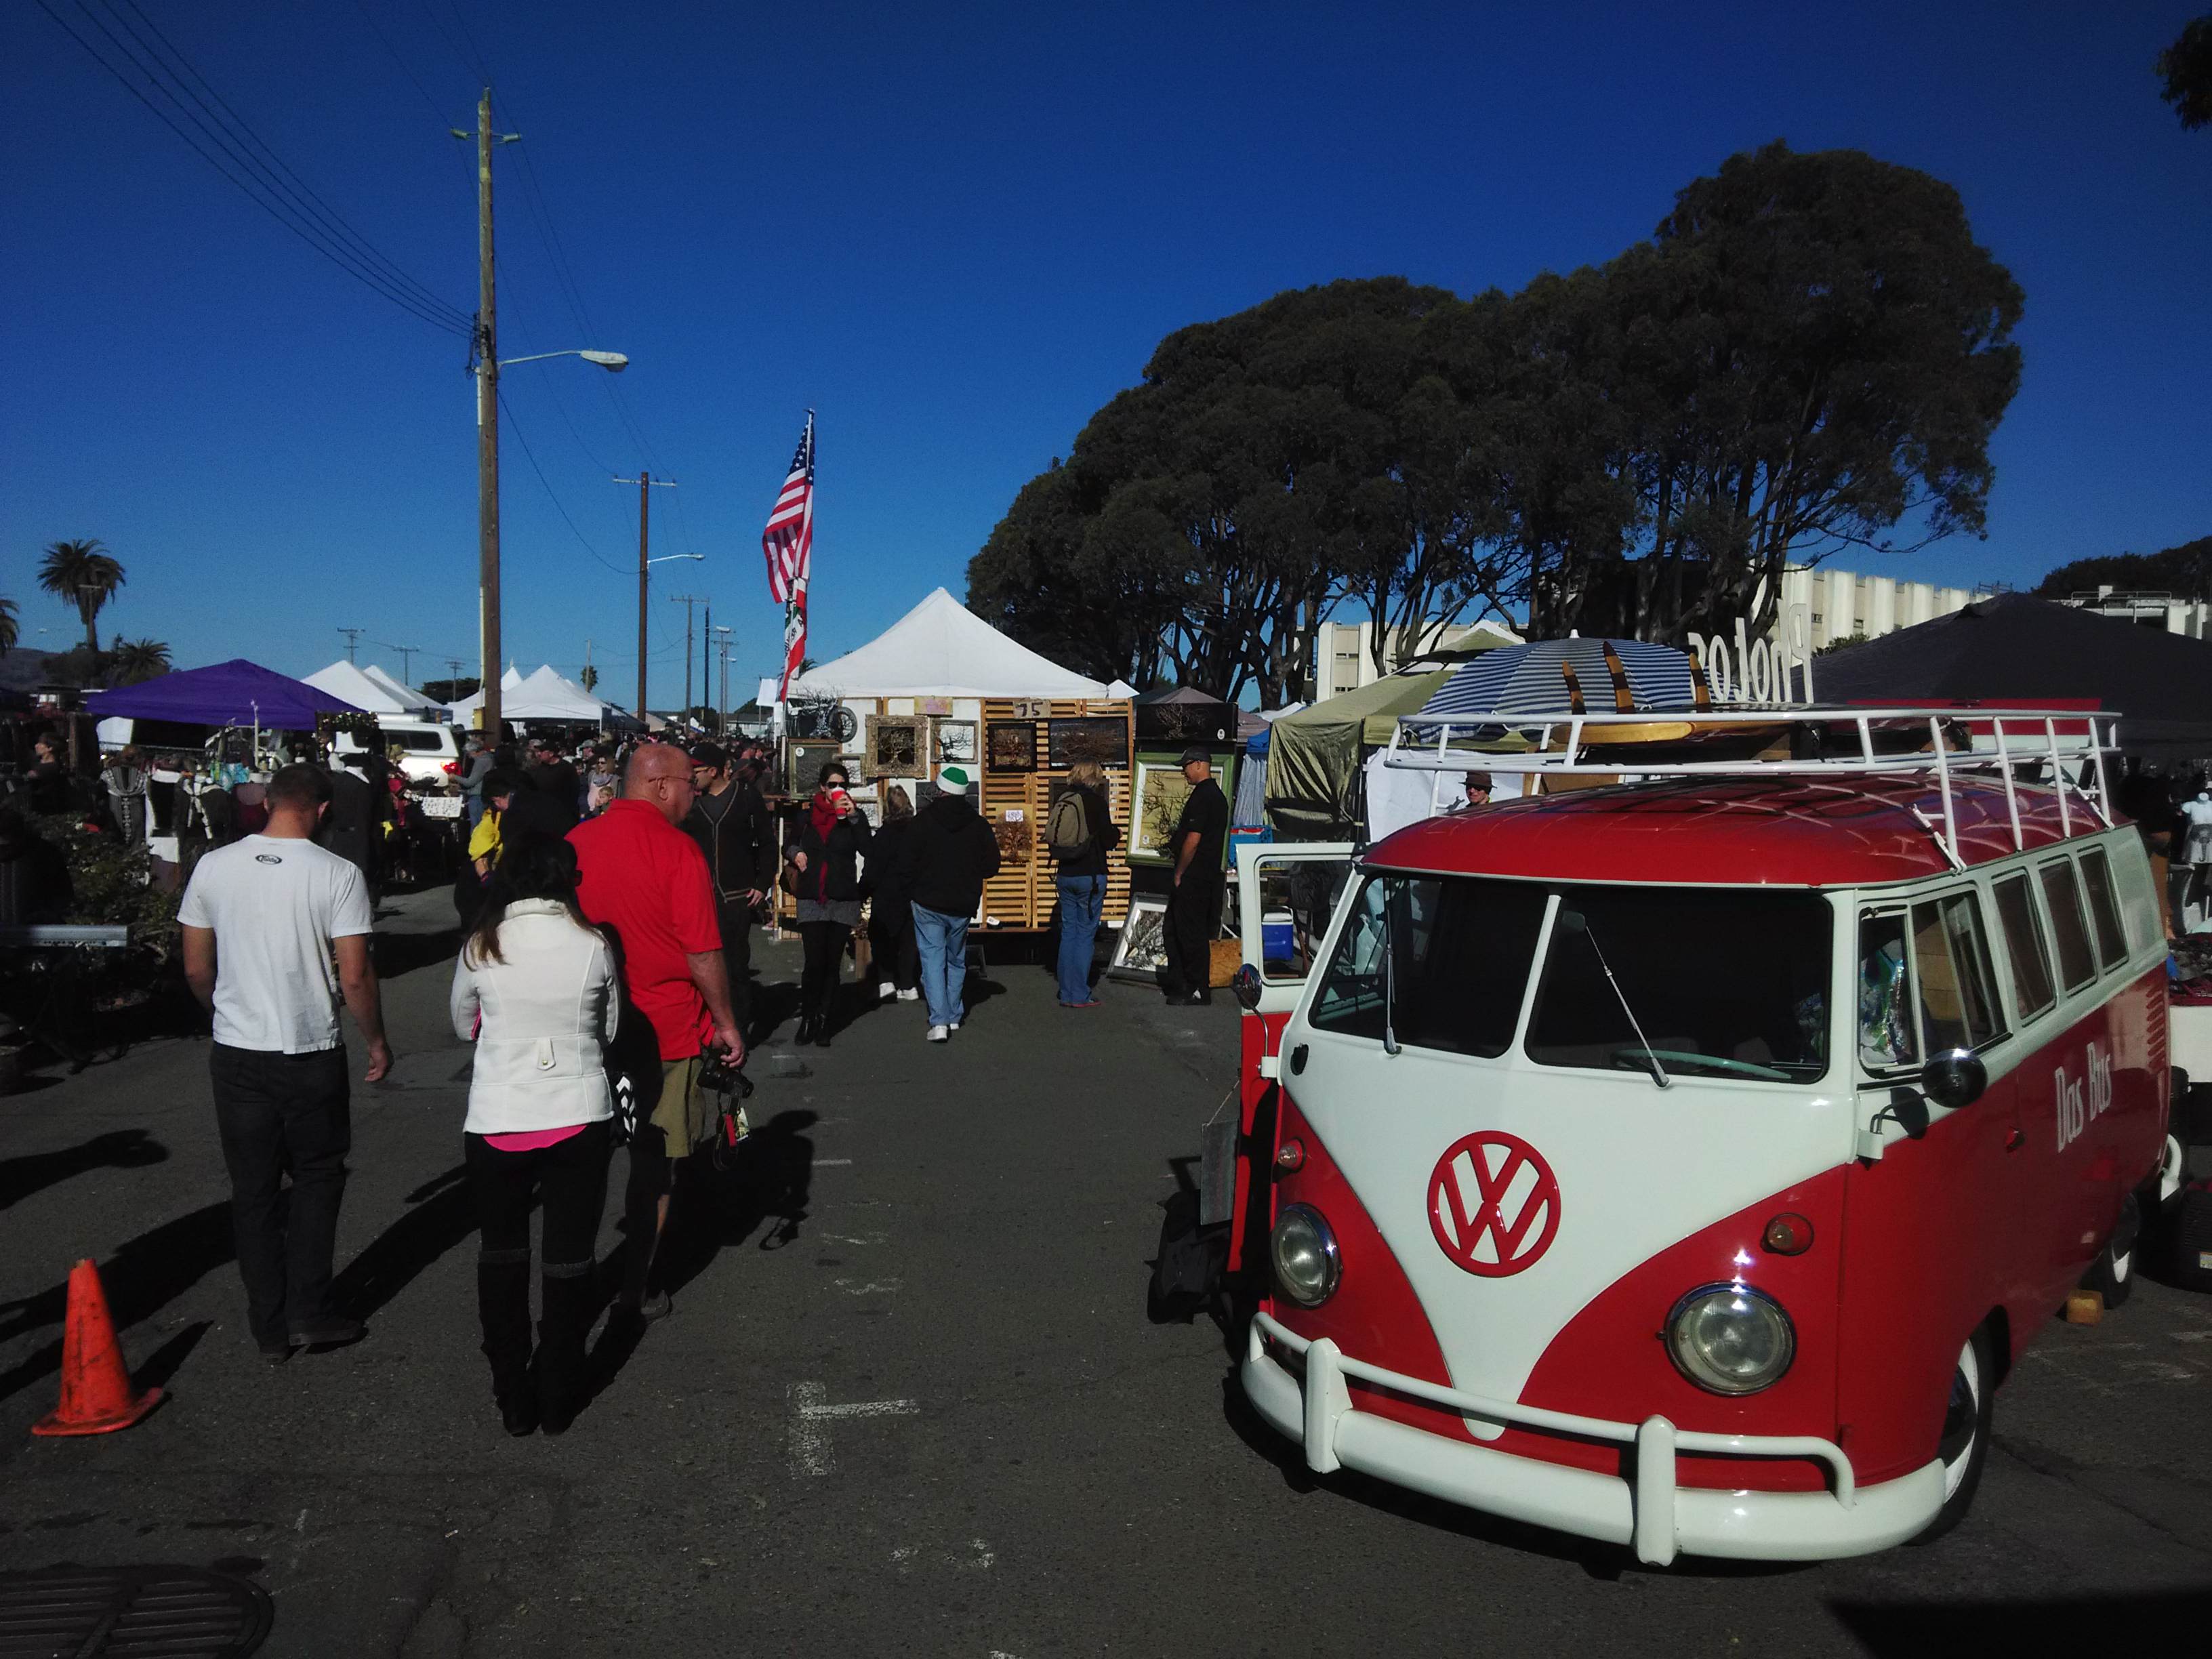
(955, 231)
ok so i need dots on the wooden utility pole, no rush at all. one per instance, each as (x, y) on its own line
(487, 716)
(644, 481)
(687, 600)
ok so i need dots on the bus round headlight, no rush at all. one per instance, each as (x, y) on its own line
(1730, 1339)
(1304, 1251)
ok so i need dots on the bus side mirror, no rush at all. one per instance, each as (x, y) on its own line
(1244, 984)
(1955, 1079)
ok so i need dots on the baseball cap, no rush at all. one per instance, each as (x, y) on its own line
(955, 778)
(1196, 752)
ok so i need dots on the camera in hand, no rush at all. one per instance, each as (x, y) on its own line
(724, 1079)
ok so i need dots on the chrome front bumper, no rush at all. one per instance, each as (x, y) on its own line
(1650, 1513)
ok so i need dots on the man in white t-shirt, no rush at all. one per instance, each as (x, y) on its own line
(262, 921)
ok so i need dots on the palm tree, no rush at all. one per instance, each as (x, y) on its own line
(133, 660)
(7, 626)
(85, 575)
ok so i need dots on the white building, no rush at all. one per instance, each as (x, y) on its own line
(2159, 610)
(1839, 603)
(1342, 658)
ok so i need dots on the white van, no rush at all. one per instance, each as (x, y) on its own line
(430, 746)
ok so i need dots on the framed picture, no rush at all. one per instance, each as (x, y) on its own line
(1012, 746)
(1105, 741)
(895, 744)
(955, 743)
(1161, 791)
(1141, 949)
(807, 760)
(1015, 835)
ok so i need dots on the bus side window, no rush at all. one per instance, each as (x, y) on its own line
(1951, 966)
(2030, 961)
(2097, 882)
(2076, 966)
(1887, 1037)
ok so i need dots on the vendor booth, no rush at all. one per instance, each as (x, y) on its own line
(542, 697)
(205, 726)
(1316, 757)
(2012, 649)
(375, 692)
(941, 686)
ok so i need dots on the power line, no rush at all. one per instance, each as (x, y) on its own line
(249, 185)
(305, 196)
(508, 410)
(377, 29)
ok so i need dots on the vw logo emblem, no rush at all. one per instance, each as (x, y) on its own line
(1493, 1204)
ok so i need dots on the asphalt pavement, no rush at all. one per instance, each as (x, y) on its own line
(910, 1400)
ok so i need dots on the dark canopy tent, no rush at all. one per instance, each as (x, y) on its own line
(1184, 715)
(2011, 648)
(233, 693)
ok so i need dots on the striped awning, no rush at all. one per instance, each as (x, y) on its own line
(1548, 676)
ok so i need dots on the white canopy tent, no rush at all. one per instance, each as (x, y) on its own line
(942, 649)
(374, 691)
(543, 695)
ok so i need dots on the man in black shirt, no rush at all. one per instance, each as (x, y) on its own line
(1193, 915)
(730, 822)
(557, 781)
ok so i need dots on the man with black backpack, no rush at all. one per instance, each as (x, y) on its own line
(1080, 834)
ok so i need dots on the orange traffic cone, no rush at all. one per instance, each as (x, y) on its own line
(96, 1397)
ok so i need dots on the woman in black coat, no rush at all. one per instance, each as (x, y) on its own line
(822, 858)
(891, 908)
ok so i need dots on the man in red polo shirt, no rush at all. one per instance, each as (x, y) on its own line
(645, 882)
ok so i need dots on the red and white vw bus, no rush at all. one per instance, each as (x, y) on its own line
(1684, 1163)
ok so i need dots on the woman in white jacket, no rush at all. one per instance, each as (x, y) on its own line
(536, 988)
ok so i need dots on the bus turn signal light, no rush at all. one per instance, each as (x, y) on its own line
(1788, 1234)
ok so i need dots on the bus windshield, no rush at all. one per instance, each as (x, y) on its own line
(1722, 982)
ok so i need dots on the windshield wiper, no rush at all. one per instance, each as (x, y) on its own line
(1575, 922)
(1389, 971)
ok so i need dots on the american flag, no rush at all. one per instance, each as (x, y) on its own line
(788, 542)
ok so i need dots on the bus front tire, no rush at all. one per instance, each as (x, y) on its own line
(1964, 1447)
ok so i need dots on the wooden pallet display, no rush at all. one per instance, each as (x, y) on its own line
(1021, 896)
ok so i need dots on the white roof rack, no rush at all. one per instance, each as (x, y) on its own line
(1563, 740)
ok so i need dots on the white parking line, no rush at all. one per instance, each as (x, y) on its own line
(832, 1163)
(871, 1286)
(811, 1452)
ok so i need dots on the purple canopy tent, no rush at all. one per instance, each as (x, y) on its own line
(233, 693)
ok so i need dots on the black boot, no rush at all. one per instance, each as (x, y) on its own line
(806, 1033)
(823, 1028)
(503, 1309)
(566, 1293)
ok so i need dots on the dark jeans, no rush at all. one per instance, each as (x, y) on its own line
(569, 1179)
(890, 934)
(1194, 920)
(825, 953)
(280, 1115)
(738, 957)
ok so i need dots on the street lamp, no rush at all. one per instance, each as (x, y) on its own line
(643, 565)
(487, 367)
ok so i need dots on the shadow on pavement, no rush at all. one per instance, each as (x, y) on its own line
(166, 1361)
(141, 1279)
(120, 1149)
(2078, 1625)
(396, 954)
(444, 1214)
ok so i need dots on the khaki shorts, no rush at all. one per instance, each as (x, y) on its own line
(685, 1114)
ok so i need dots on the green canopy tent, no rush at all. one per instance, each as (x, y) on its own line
(1314, 756)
